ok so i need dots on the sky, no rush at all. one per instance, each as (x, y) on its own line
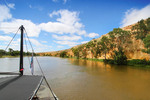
(54, 25)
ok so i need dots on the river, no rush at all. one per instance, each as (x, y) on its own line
(73, 79)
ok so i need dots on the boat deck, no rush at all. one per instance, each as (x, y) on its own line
(19, 87)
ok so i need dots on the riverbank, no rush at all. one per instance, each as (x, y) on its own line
(131, 62)
(8, 56)
(138, 62)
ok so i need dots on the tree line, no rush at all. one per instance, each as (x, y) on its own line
(12, 52)
(116, 41)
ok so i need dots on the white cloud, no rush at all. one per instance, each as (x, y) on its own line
(44, 41)
(65, 1)
(81, 32)
(15, 45)
(84, 42)
(5, 38)
(35, 42)
(54, 0)
(67, 22)
(33, 30)
(56, 27)
(78, 25)
(60, 46)
(92, 35)
(67, 38)
(4, 13)
(11, 5)
(66, 17)
(69, 43)
(45, 48)
(39, 46)
(134, 15)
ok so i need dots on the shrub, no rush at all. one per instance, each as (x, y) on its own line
(76, 52)
(120, 58)
(63, 54)
(138, 62)
(141, 29)
(2, 52)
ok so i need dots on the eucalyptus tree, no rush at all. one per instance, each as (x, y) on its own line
(147, 44)
(104, 44)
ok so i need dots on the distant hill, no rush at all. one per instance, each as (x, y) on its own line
(130, 38)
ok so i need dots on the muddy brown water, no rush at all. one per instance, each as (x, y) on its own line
(73, 79)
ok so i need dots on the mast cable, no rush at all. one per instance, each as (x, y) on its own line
(40, 66)
(11, 40)
(29, 60)
(26, 48)
(13, 72)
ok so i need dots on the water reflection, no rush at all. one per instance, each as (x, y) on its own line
(116, 82)
(96, 66)
(73, 79)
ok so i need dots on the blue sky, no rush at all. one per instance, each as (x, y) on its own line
(61, 24)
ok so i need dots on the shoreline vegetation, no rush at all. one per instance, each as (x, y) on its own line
(130, 62)
(13, 53)
(121, 46)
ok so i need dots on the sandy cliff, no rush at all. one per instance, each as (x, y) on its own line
(133, 50)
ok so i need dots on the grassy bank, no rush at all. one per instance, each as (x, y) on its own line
(138, 62)
(101, 60)
(132, 62)
(8, 56)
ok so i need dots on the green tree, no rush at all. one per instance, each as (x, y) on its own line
(119, 57)
(121, 36)
(16, 53)
(2, 52)
(63, 54)
(76, 52)
(96, 51)
(90, 44)
(84, 53)
(141, 29)
(147, 44)
(148, 24)
(11, 51)
(104, 45)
